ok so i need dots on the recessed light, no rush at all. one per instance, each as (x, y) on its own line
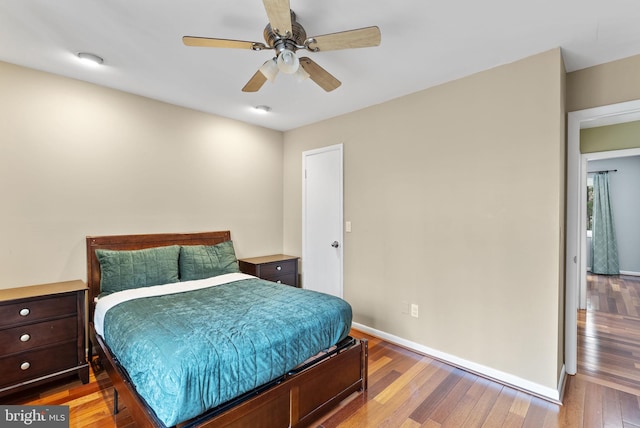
(263, 109)
(90, 59)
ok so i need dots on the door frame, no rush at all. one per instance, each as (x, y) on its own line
(575, 261)
(340, 149)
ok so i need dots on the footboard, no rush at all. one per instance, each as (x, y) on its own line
(302, 398)
(295, 400)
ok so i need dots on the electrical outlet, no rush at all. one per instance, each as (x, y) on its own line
(414, 310)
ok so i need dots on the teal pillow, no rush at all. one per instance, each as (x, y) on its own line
(205, 261)
(122, 270)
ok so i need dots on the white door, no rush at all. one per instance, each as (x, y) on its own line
(322, 220)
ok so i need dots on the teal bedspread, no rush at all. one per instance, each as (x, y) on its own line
(189, 352)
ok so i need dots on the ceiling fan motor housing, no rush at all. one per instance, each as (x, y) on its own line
(291, 41)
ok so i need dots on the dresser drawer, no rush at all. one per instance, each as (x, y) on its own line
(33, 310)
(23, 338)
(276, 269)
(32, 364)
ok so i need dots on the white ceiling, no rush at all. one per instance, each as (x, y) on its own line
(424, 43)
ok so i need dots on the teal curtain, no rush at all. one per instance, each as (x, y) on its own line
(604, 245)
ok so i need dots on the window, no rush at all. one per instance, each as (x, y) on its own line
(589, 203)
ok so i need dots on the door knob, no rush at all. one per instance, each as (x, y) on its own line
(335, 244)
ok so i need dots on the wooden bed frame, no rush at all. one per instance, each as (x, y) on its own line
(294, 400)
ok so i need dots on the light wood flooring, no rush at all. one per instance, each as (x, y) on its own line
(410, 390)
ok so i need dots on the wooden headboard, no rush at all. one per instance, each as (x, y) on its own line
(137, 242)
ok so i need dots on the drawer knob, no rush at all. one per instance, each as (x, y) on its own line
(24, 312)
(25, 365)
(25, 337)
(278, 267)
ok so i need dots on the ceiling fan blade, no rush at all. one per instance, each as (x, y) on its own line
(360, 38)
(279, 13)
(207, 42)
(319, 75)
(255, 83)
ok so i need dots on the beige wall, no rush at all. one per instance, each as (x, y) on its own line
(77, 159)
(604, 84)
(456, 198)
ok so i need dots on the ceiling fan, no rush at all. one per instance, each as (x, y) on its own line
(285, 36)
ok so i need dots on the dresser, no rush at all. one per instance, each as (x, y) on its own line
(42, 334)
(278, 268)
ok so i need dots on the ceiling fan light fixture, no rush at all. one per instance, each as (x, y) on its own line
(270, 69)
(288, 61)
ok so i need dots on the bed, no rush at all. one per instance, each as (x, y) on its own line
(196, 343)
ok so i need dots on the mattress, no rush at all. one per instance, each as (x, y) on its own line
(189, 347)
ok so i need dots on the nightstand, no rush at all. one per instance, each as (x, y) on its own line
(278, 268)
(42, 334)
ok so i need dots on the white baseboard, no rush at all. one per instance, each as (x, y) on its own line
(622, 272)
(550, 394)
(627, 272)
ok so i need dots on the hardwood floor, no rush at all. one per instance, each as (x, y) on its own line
(410, 390)
(90, 405)
(609, 349)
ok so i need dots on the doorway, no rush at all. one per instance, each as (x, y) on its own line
(624, 173)
(575, 261)
(322, 219)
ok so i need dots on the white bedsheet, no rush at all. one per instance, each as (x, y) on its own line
(107, 302)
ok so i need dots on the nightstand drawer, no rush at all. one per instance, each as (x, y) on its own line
(276, 269)
(37, 309)
(18, 339)
(285, 279)
(30, 365)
